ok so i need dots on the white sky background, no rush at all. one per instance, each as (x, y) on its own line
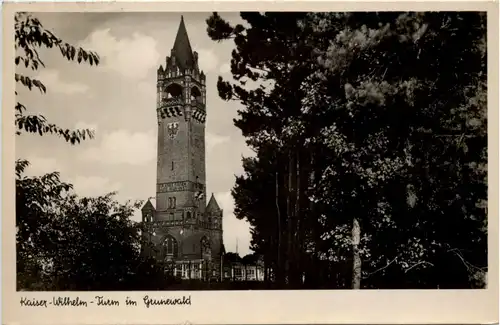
(118, 100)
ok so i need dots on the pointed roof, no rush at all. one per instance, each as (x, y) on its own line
(148, 206)
(212, 204)
(182, 48)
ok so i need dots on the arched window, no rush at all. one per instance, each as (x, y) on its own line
(171, 202)
(188, 215)
(195, 94)
(173, 91)
(170, 247)
(205, 246)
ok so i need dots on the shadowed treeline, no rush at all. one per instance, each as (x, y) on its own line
(369, 130)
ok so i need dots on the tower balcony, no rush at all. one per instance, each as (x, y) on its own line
(171, 223)
(186, 223)
(173, 101)
(177, 101)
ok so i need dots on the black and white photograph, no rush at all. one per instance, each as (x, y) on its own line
(254, 150)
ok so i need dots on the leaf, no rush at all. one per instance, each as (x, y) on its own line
(29, 35)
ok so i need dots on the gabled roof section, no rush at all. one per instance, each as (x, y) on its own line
(182, 48)
(148, 206)
(212, 206)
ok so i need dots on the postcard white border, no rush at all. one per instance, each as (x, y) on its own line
(257, 307)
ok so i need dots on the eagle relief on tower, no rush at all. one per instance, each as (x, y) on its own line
(173, 129)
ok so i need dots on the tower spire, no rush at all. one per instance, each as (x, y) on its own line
(213, 206)
(182, 48)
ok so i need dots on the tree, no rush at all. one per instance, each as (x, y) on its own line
(407, 132)
(231, 257)
(65, 242)
(376, 141)
(34, 196)
(270, 116)
(259, 210)
(30, 36)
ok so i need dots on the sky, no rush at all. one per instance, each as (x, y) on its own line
(117, 99)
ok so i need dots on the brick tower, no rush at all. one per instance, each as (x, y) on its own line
(182, 229)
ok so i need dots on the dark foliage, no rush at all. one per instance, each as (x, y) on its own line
(370, 134)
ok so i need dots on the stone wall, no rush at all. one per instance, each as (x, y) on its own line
(172, 161)
(188, 239)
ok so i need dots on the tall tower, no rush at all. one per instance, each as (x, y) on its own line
(182, 226)
(181, 133)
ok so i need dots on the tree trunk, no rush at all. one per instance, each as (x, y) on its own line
(278, 270)
(356, 260)
(303, 214)
(266, 263)
(297, 217)
(313, 224)
(290, 258)
(296, 267)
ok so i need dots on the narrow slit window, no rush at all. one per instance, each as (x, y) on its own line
(172, 165)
